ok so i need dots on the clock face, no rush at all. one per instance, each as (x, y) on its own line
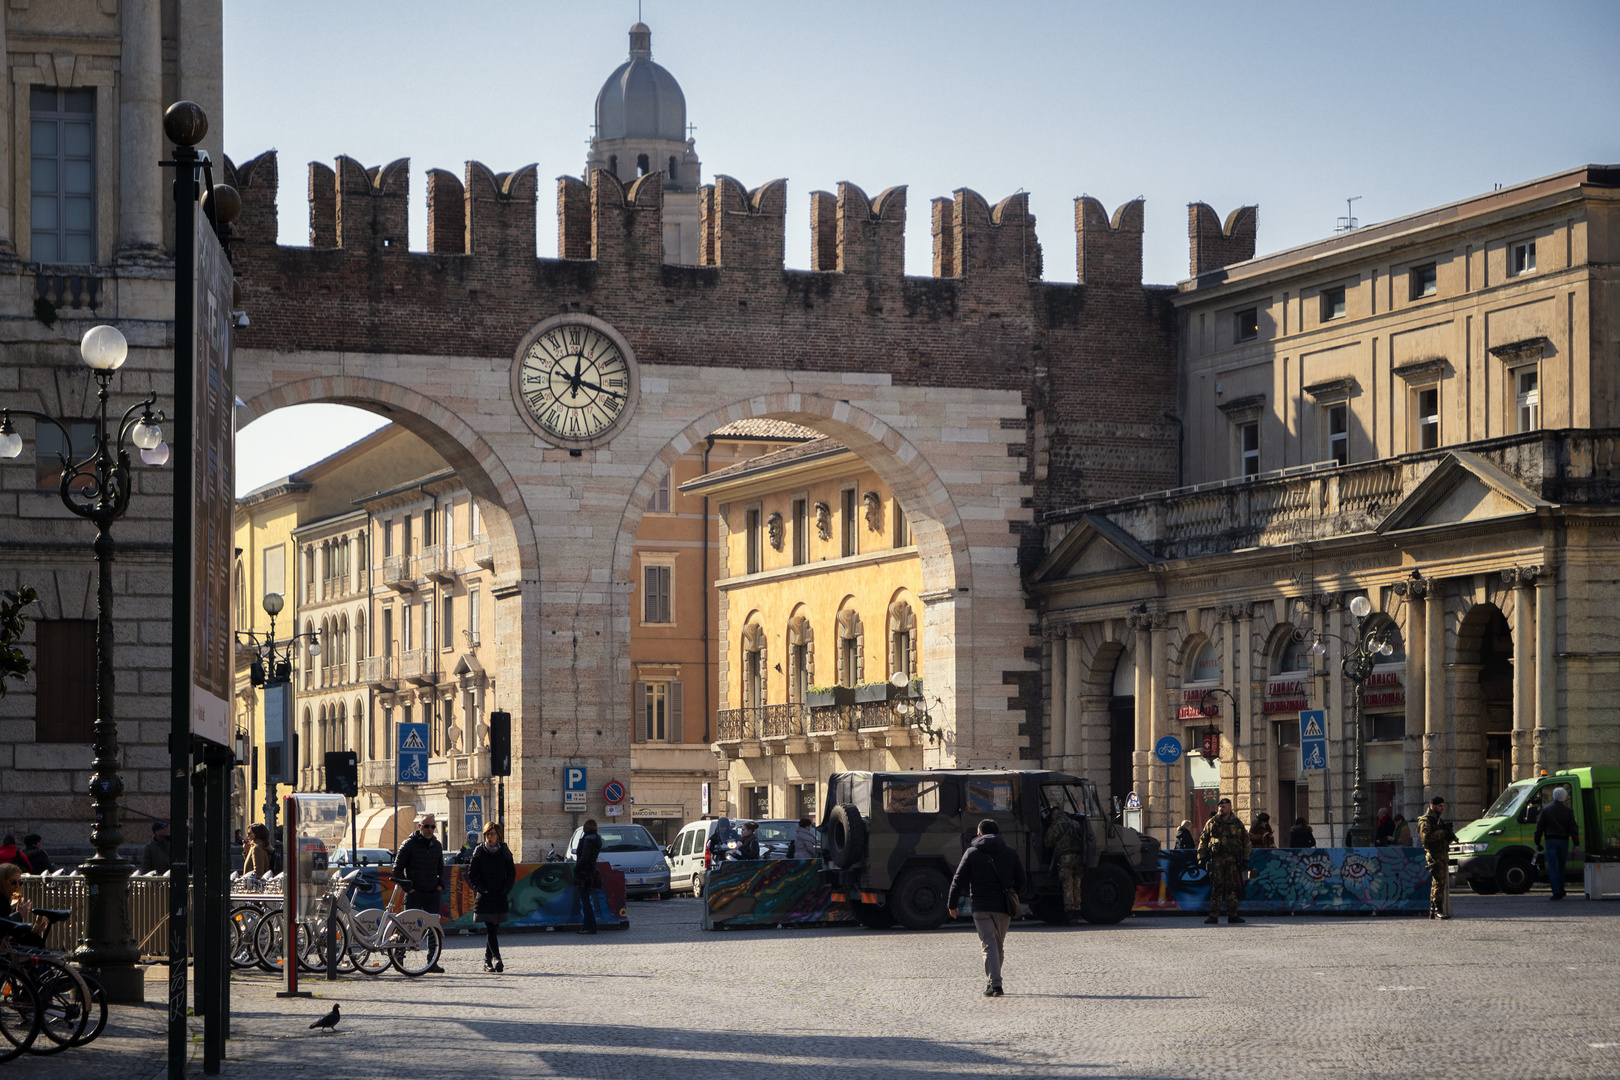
(574, 379)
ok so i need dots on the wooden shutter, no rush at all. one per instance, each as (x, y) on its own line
(65, 680)
(664, 575)
(638, 707)
(673, 712)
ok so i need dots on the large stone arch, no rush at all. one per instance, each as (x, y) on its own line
(949, 554)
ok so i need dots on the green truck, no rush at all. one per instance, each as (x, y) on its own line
(1497, 852)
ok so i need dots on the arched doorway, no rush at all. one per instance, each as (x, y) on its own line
(1482, 704)
(1121, 726)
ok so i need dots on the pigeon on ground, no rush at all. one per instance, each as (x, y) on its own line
(329, 1021)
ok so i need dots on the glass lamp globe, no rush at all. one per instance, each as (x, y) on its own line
(1359, 607)
(901, 708)
(1318, 648)
(157, 455)
(103, 348)
(899, 679)
(1386, 649)
(10, 441)
(314, 647)
(272, 603)
(146, 436)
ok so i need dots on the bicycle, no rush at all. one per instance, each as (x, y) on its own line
(66, 998)
(411, 940)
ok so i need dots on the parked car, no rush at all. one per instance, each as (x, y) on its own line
(691, 852)
(368, 856)
(631, 850)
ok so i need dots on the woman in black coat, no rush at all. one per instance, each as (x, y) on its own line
(491, 876)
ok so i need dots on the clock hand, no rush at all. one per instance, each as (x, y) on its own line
(600, 390)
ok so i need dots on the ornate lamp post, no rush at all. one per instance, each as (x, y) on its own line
(97, 487)
(272, 666)
(915, 713)
(1361, 653)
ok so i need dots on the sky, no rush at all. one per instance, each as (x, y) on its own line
(1294, 107)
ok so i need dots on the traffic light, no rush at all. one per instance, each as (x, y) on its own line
(342, 773)
(500, 744)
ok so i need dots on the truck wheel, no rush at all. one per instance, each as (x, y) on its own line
(918, 899)
(1515, 875)
(846, 836)
(1106, 894)
(1484, 886)
(872, 916)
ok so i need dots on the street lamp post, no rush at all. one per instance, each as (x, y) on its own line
(1361, 653)
(272, 666)
(97, 487)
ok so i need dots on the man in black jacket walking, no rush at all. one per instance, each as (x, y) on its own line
(991, 873)
(419, 866)
(1557, 826)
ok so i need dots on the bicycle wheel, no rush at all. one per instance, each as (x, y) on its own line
(268, 950)
(372, 958)
(64, 1001)
(414, 956)
(98, 1012)
(312, 946)
(20, 1013)
(244, 921)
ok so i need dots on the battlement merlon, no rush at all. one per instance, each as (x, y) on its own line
(1213, 245)
(1108, 252)
(494, 214)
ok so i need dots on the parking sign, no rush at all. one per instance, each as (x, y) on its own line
(573, 787)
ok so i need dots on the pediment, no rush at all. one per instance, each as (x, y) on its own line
(1463, 488)
(1094, 546)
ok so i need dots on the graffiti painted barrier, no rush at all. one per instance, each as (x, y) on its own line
(787, 892)
(1299, 880)
(542, 896)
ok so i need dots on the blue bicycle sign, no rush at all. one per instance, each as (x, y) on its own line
(1168, 749)
(412, 755)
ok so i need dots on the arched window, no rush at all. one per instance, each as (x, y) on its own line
(642, 166)
(902, 640)
(672, 171)
(340, 728)
(305, 749)
(613, 164)
(360, 650)
(1206, 664)
(851, 649)
(755, 691)
(241, 597)
(1294, 657)
(801, 642)
(1397, 644)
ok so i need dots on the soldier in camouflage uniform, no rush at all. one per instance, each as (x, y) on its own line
(1436, 837)
(1223, 851)
(1067, 845)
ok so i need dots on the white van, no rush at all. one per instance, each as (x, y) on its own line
(686, 855)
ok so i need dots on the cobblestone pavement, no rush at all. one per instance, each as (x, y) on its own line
(1513, 987)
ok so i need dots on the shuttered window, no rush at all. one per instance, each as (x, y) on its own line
(655, 594)
(657, 709)
(65, 677)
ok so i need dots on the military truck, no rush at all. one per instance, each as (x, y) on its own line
(892, 840)
(1496, 852)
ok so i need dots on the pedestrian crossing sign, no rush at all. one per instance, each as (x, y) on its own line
(413, 740)
(1313, 725)
(1313, 739)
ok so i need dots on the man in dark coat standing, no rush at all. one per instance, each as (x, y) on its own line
(585, 876)
(491, 874)
(155, 858)
(991, 873)
(419, 866)
(1558, 827)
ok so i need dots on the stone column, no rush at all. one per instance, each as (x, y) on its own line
(1545, 752)
(1435, 759)
(1246, 711)
(1525, 660)
(1416, 673)
(8, 248)
(1142, 753)
(1059, 726)
(1159, 682)
(141, 183)
(1073, 709)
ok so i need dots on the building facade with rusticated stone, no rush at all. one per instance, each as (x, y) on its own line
(1422, 413)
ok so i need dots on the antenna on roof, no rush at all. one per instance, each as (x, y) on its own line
(1348, 222)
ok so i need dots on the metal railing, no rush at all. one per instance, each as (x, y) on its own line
(420, 664)
(378, 670)
(434, 562)
(734, 725)
(396, 572)
(148, 908)
(483, 552)
(779, 721)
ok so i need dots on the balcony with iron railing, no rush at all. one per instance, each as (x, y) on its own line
(377, 774)
(796, 721)
(397, 575)
(434, 564)
(379, 671)
(420, 665)
(483, 551)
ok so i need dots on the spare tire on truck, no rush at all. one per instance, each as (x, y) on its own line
(846, 836)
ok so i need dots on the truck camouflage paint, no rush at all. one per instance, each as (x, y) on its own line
(1496, 853)
(892, 840)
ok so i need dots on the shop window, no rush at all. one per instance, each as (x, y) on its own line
(758, 802)
(805, 801)
(1388, 728)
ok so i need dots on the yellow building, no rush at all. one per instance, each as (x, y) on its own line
(818, 588)
(272, 522)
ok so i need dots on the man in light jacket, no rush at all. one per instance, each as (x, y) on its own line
(805, 843)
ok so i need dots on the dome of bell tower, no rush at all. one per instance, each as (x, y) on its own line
(641, 100)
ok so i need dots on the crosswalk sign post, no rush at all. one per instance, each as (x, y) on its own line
(410, 763)
(1313, 755)
(473, 814)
